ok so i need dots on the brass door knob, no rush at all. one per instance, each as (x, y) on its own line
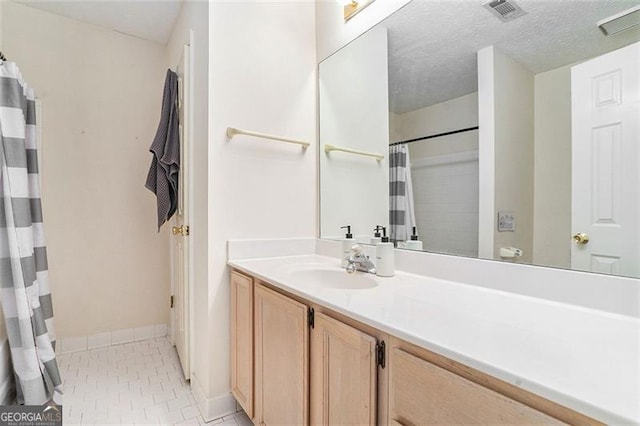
(581, 238)
(180, 230)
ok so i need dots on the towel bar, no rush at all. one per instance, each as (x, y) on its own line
(232, 131)
(329, 148)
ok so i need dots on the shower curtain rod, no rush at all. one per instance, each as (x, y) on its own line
(453, 132)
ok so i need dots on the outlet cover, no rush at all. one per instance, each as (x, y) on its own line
(506, 221)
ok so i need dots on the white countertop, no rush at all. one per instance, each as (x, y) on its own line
(585, 359)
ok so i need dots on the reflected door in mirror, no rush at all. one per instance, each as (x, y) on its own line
(606, 156)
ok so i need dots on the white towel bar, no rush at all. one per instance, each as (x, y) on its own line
(232, 131)
(329, 148)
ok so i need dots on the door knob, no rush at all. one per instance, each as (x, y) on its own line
(581, 238)
(180, 230)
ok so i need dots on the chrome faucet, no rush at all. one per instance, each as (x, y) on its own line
(358, 261)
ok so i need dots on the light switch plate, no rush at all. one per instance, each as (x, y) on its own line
(506, 221)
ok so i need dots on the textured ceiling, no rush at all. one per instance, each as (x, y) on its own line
(433, 44)
(148, 19)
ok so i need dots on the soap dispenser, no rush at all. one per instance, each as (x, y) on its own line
(347, 243)
(376, 237)
(385, 256)
(414, 243)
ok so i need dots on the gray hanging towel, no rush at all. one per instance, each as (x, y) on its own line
(162, 179)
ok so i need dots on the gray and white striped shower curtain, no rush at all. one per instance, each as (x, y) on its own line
(24, 283)
(402, 217)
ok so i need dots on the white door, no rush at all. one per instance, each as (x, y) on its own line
(605, 163)
(180, 238)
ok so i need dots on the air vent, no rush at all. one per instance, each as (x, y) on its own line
(504, 10)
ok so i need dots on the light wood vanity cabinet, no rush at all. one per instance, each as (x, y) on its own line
(422, 393)
(272, 353)
(343, 374)
(290, 367)
(427, 388)
(281, 359)
(242, 341)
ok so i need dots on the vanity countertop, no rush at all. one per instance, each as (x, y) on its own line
(585, 359)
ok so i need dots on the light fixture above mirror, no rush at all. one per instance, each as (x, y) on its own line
(353, 7)
(622, 21)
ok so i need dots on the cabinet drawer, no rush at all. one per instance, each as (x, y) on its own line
(422, 393)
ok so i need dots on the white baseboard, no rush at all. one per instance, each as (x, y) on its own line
(6, 374)
(212, 408)
(116, 337)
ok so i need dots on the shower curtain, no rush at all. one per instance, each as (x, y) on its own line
(402, 217)
(24, 285)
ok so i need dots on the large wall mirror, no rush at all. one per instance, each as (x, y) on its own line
(503, 130)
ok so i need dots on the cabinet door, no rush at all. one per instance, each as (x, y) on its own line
(343, 374)
(242, 341)
(282, 359)
(422, 393)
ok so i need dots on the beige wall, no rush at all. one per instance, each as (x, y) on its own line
(514, 153)
(506, 91)
(552, 195)
(455, 114)
(101, 94)
(1, 18)
(395, 132)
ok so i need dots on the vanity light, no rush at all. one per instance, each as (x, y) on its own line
(352, 7)
(621, 21)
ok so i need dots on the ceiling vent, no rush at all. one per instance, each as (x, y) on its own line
(504, 10)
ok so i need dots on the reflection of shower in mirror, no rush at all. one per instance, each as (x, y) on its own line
(485, 112)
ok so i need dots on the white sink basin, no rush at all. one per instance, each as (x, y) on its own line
(333, 278)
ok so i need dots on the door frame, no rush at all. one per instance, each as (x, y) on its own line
(188, 104)
(190, 267)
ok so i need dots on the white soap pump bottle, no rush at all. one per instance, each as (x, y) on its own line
(414, 243)
(385, 256)
(347, 243)
(376, 237)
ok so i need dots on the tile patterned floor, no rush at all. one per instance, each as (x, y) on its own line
(133, 383)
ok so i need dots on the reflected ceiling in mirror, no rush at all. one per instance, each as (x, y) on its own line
(438, 41)
(492, 110)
